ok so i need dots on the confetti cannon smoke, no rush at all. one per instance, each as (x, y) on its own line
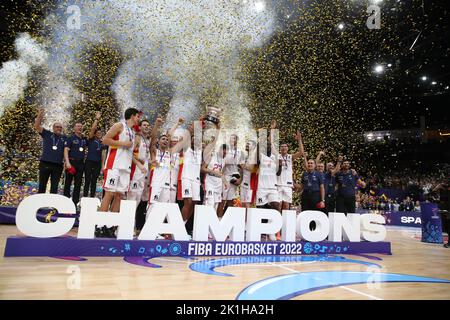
(190, 46)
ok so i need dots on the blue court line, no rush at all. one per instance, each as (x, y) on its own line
(208, 266)
(292, 285)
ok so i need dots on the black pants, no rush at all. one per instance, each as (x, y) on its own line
(310, 200)
(346, 204)
(77, 178)
(330, 203)
(141, 211)
(91, 173)
(49, 170)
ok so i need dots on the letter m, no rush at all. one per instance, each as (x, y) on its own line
(206, 221)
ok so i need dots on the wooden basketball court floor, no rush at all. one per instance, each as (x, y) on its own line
(178, 278)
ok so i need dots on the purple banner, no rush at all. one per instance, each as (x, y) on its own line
(69, 246)
(403, 218)
(431, 223)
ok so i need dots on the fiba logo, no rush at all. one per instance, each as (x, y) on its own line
(155, 197)
(260, 200)
(186, 191)
(210, 193)
(112, 181)
(135, 185)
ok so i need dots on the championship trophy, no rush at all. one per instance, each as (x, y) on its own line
(212, 118)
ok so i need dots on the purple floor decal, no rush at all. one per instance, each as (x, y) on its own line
(73, 247)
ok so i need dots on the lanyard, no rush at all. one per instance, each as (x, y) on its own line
(98, 144)
(162, 156)
(53, 139)
(129, 132)
(284, 161)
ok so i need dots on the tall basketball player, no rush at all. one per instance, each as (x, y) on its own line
(285, 182)
(121, 140)
(249, 175)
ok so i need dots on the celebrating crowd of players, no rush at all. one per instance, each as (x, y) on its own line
(149, 165)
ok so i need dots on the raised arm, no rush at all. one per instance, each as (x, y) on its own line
(273, 148)
(94, 125)
(175, 127)
(115, 130)
(154, 137)
(319, 155)
(337, 168)
(210, 147)
(299, 153)
(38, 120)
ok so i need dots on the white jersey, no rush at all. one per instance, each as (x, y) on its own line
(285, 178)
(160, 176)
(144, 151)
(192, 161)
(267, 176)
(213, 182)
(174, 169)
(119, 157)
(231, 161)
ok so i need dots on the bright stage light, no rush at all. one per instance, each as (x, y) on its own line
(260, 6)
(434, 83)
(341, 26)
(389, 65)
(424, 78)
(379, 68)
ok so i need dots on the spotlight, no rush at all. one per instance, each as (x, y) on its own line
(389, 65)
(379, 68)
(424, 78)
(341, 26)
(434, 83)
(260, 6)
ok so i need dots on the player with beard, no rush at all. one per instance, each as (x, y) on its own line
(347, 180)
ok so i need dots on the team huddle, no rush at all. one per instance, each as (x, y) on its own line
(151, 165)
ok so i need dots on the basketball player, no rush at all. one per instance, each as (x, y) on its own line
(268, 170)
(233, 175)
(285, 182)
(249, 175)
(161, 164)
(212, 167)
(121, 141)
(139, 171)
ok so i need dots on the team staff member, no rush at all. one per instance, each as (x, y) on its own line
(347, 180)
(313, 195)
(51, 161)
(74, 153)
(94, 159)
(330, 185)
